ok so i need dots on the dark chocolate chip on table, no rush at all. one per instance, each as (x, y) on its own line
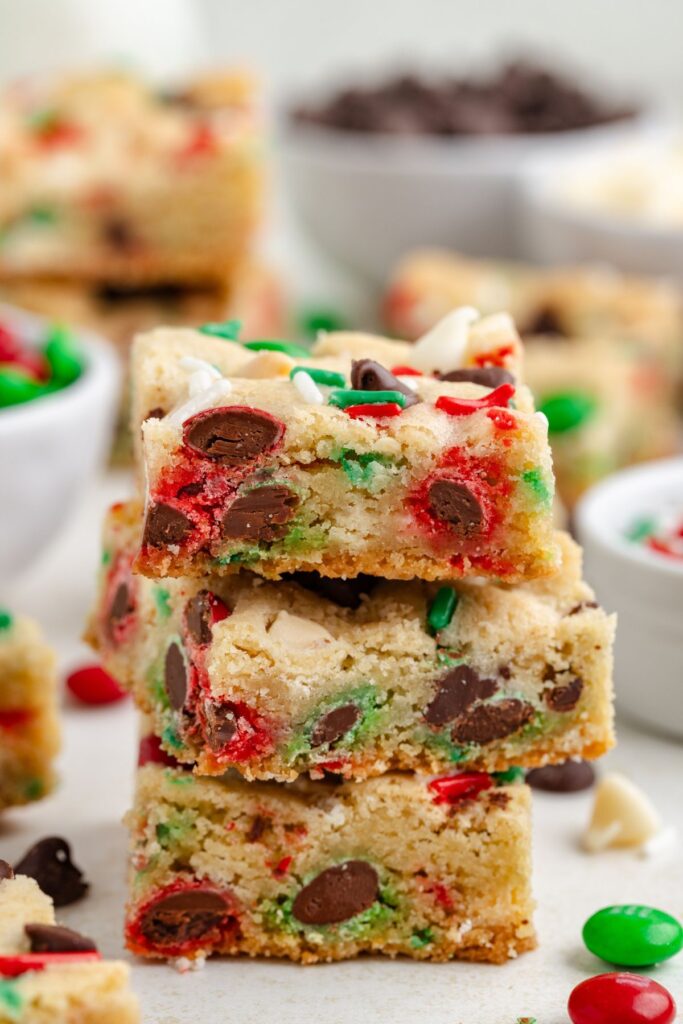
(483, 723)
(454, 503)
(232, 436)
(165, 525)
(336, 723)
(337, 894)
(53, 938)
(487, 376)
(175, 676)
(260, 515)
(183, 916)
(367, 375)
(568, 777)
(457, 690)
(6, 870)
(49, 863)
(344, 593)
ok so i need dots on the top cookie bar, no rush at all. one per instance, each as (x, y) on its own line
(349, 465)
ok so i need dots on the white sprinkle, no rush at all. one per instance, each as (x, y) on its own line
(307, 388)
(443, 348)
(183, 964)
(409, 382)
(192, 363)
(197, 403)
(199, 381)
(541, 416)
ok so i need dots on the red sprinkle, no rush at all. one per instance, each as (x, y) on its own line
(379, 409)
(502, 418)
(663, 548)
(13, 966)
(450, 789)
(203, 142)
(92, 685)
(219, 609)
(17, 716)
(442, 895)
(282, 867)
(405, 371)
(151, 752)
(621, 998)
(497, 358)
(466, 406)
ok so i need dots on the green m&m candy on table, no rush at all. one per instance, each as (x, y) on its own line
(567, 410)
(632, 935)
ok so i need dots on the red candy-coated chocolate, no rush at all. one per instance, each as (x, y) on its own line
(150, 751)
(16, 716)
(14, 353)
(449, 789)
(621, 998)
(92, 685)
(138, 942)
(500, 396)
(499, 357)
(14, 965)
(376, 410)
(405, 371)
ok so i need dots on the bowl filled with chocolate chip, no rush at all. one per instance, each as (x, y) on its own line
(375, 169)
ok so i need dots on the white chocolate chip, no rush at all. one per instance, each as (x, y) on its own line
(622, 816)
(307, 388)
(197, 403)
(444, 346)
(295, 631)
(266, 365)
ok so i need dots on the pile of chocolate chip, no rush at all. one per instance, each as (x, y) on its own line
(521, 98)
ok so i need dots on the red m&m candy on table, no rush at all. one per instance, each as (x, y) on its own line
(621, 999)
(92, 685)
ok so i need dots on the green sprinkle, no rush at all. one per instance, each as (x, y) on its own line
(536, 481)
(34, 789)
(63, 355)
(177, 778)
(328, 377)
(349, 396)
(423, 937)
(162, 600)
(641, 529)
(106, 557)
(312, 320)
(229, 330)
(11, 1000)
(288, 347)
(567, 410)
(41, 215)
(442, 608)
(361, 468)
(509, 777)
(242, 557)
(6, 619)
(17, 387)
(171, 738)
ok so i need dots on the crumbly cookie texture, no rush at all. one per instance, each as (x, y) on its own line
(357, 676)
(316, 871)
(29, 725)
(603, 351)
(105, 178)
(398, 475)
(56, 984)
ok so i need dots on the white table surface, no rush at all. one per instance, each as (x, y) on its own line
(97, 773)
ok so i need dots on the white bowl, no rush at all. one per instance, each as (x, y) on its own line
(50, 447)
(645, 589)
(369, 198)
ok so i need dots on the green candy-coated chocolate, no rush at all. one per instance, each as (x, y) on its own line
(272, 345)
(328, 377)
(313, 320)
(567, 410)
(343, 399)
(6, 619)
(633, 935)
(63, 356)
(510, 777)
(228, 329)
(17, 387)
(442, 608)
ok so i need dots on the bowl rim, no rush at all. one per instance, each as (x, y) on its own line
(100, 363)
(596, 527)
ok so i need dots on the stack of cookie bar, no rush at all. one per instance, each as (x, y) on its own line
(349, 625)
(124, 207)
(604, 351)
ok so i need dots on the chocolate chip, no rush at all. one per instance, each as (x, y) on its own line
(457, 690)
(258, 827)
(367, 375)
(232, 436)
(165, 525)
(484, 723)
(175, 676)
(5, 870)
(220, 725)
(121, 605)
(190, 490)
(505, 672)
(198, 617)
(49, 863)
(580, 607)
(337, 894)
(335, 724)
(185, 916)
(119, 235)
(544, 321)
(157, 413)
(345, 593)
(54, 938)
(568, 777)
(487, 376)
(565, 696)
(260, 515)
(453, 503)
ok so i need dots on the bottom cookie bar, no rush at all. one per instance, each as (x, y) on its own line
(50, 974)
(29, 729)
(434, 869)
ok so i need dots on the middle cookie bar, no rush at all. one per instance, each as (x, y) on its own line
(357, 676)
